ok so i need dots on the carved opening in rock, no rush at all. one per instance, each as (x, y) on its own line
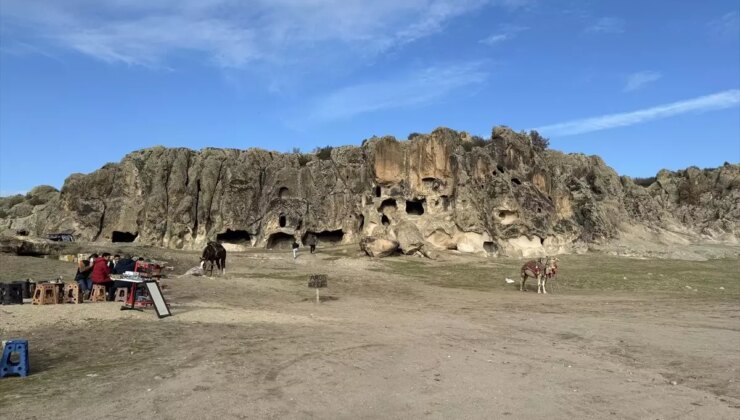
(385, 220)
(500, 168)
(326, 237)
(284, 192)
(234, 237)
(516, 181)
(415, 207)
(388, 204)
(280, 240)
(281, 220)
(123, 236)
(539, 210)
(360, 222)
(430, 183)
(507, 217)
(378, 191)
(542, 241)
(299, 225)
(490, 247)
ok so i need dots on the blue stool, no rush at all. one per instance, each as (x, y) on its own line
(22, 367)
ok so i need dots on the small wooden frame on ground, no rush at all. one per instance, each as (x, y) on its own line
(317, 281)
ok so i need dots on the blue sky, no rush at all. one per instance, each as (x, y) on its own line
(646, 85)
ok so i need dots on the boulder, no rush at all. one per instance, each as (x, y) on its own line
(409, 238)
(378, 247)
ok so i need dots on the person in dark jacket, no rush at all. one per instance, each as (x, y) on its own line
(295, 247)
(311, 240)
(112, 263)
(124, 264)
(101, 274)
(84, 269)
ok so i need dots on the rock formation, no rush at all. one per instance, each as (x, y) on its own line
(443, 190)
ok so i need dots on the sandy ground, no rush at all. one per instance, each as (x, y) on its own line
(398, 338)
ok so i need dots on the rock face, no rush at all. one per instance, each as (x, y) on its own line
(436, 191)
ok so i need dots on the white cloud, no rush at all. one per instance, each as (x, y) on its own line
(506, 32)
(637, 80)
(230, 33)
(495, 39)
(727, 25)
(413, 89)
(717, 101)
(607, 25)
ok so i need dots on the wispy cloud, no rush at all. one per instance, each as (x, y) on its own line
(638, 80)
(727, 25)
(717, 101)
(413, 89)
(506, 32)
(230, 33)
(607, 25)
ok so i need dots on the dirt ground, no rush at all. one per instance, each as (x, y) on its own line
(396, 338)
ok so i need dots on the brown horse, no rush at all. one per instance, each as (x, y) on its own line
(214, 252)
(541, 269)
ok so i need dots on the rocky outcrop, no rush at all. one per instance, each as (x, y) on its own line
(378, 247)
(437, 191)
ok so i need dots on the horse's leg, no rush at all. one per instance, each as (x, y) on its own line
(539, 284)
(544, 283)
(521, 283)
(223, 266)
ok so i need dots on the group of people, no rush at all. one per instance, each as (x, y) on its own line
(98, 269)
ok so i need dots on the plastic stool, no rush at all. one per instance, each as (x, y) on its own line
(44, 294)
(22, 367)
(72, 293)
(98, 293)
(121, 294)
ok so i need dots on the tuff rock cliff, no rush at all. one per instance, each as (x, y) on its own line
(444, 190)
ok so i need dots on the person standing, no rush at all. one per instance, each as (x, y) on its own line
(295, 249)
(312, 242)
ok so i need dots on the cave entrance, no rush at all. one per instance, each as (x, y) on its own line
(284, 193)
(378, 191)
(282, 220)
(388, 204)
(327, 236)
(490, 247)
(385, 220)
(516, 181)
(280, 240)
(123, 236)
(361, 222)
(415, 207)
(234, 237)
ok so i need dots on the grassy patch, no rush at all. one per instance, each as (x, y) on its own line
(585, 272)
